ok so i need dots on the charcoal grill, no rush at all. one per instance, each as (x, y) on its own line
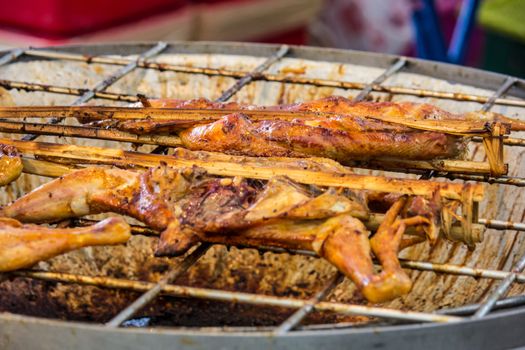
(239, 298)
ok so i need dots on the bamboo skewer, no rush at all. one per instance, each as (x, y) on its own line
(448, 165)
(87, 132)
(44, 168)
(371, 224)
(190, 117)
(96, 155)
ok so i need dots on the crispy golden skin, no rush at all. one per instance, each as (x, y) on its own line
(189, 206)
(10, 164)
(345, 137)
(22, 246)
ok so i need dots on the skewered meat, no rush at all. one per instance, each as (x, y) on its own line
(359, 111)
(10, 164)
(341, 137)
(189, 206)
(24, 245)
(346, 136)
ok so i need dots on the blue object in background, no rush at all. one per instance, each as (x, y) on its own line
(430, 43)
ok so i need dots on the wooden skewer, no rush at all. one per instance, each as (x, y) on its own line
(87, 132)
(371, 224)
(44, 168)
(448, 165)
(97, 155)
(189, 117)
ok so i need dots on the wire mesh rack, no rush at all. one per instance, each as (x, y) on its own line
(509, 92)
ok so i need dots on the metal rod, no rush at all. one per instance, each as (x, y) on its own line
(501, 290)
(502, 225)
(11, 56)
(296, 318)
(502, 180)
(394, 68)
(104, 84)
(238, 297)
(147, 297)
(396, 90)
(465, 310)
(10, 84)
(415, 265)
(87, 132)
(459, 270)
(507, 141)
(501, 90)
(248, 78)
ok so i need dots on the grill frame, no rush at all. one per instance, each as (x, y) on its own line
(482, 79)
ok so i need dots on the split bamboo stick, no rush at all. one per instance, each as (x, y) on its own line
(98, 155)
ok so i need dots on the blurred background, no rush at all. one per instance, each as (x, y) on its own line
(489, 34)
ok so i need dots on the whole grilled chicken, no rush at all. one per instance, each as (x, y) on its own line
(189, 206)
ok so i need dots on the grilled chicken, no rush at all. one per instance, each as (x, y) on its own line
(22, 246)
(358, 110)
(346, 136)
(189, 206)
(10, 164)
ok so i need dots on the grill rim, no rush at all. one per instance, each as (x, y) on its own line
(470, 76)
(450, 72)
(489, 332)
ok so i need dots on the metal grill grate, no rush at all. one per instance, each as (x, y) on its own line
(304, 307)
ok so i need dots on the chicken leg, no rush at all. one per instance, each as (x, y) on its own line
(22, 246)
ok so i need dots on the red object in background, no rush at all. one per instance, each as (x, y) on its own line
(296, 36)
(64, 18)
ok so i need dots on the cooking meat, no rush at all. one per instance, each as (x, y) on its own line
(189, 206)
(24, 245)
(10, 164)
(346, 136)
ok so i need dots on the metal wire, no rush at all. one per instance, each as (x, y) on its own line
(11, 56)
(104, 84)
(394, 68)
(465, 310)
(296, 318)
(395, 90)
(507, 84)
(501, 290)
(151, 294)
(64, 90)
(238, 297)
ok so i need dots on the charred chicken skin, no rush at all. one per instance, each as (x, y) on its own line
(346, 136)
(189, 206)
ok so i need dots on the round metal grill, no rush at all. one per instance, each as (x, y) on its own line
(456, 291)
